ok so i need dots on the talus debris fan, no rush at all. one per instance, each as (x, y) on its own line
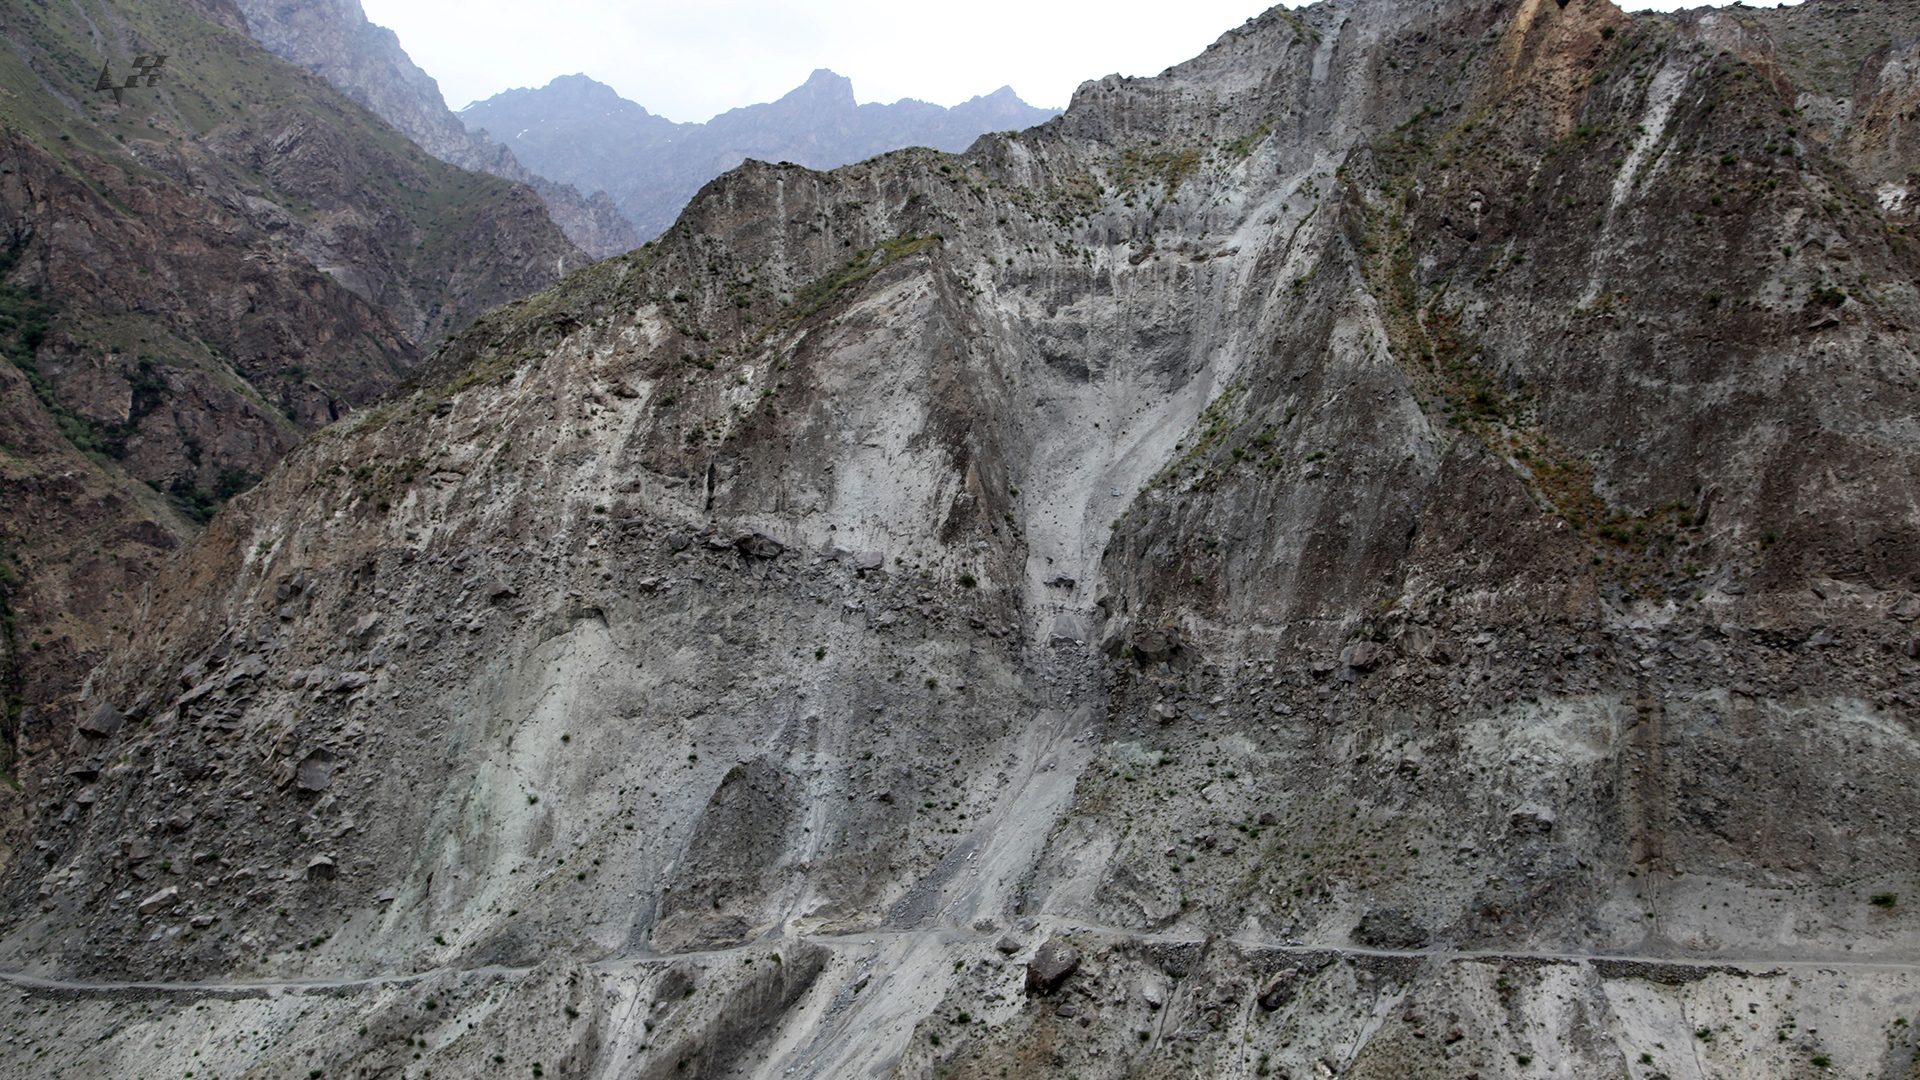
(1387, 550)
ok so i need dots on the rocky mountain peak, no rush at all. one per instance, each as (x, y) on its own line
(576, 91)
(824, 92)
(581, 131)
(1003, 98)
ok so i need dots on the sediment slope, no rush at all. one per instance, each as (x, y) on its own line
(1388, 550)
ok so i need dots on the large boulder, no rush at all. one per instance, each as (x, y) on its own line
(315, 772)
(759, 546)
(1532, 818)
(1280, 989)
(1156, 646)
(1050, 966)
(1390, 929)
(1362, 656)
(103, 721)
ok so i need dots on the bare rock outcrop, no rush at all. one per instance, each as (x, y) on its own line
(1455, 377)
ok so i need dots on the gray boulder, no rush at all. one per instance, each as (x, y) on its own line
(1362, 656)
(103, 722)
(1279, 990)
(1390, 929)
(759, 546)
(1050, 967)
(1531, 819)
(1156, 646)
(315, 771)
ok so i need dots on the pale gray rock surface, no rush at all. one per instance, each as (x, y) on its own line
(1412, 325)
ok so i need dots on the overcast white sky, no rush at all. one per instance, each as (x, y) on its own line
(690, 59)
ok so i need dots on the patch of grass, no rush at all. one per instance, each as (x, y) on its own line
(201, 504)
(1213, 429)
(815, 296)
(1169, 168)
(1242, 148)
(1302, 33)
(1076, 196)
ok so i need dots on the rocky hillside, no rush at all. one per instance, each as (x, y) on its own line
(334, 40)
(582, 132)
(193, 276)
(1388, 550)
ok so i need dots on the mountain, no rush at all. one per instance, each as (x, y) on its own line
(191, 278)
(1387, 550)
(335, 40)
(580, 131)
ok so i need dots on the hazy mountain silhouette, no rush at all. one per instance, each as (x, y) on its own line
(579, 131)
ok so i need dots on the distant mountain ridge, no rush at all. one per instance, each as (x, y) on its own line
(335, 40)
(580, 131)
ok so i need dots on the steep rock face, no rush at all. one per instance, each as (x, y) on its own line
(1392, 544)
(192, 276)
(335, 40)
(201, 290)
(581, 131)
(81, 541)
(287, 231)
(1850, 69)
